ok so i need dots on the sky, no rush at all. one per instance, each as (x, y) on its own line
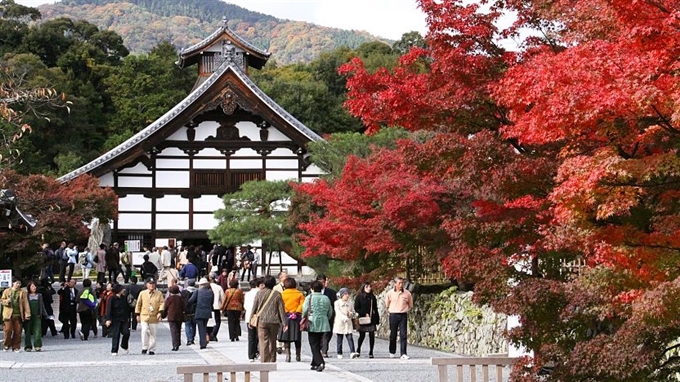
(385, 18)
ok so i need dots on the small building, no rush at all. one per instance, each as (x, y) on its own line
(170, 176)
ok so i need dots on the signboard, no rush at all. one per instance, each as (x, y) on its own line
(132, 245)
(5, 278)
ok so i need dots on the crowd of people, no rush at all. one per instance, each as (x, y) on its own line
(276, 312)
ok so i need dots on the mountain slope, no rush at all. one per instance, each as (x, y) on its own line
(145, 23)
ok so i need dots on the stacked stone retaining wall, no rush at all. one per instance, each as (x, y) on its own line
(451, 322)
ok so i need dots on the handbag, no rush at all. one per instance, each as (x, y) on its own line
(304, 322)
(254, 318)
(367, 320)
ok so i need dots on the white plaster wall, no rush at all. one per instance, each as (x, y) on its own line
(245, 153)
(172, 163)
(283, 152)
(210, 153)
(134, 221)
(281, 175)
(172, 151)
(172, 179)
(172, 221)
(313, 170)
(206, 129)
(282, 163)
(211, 163)
(138, 169)
(204, 222)
(129, 181)
(172, 203)
(134, 203)
(106, 180)
(208, 203)
(245, 164)
(179, 135)
(248, 129)
(276, 135)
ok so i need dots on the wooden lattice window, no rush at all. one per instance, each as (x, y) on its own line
(240, 177)
(209, 178)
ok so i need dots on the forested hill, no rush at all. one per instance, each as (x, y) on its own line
(145, 23)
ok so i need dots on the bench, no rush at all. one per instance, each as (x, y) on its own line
(471, 363)
(230, 368)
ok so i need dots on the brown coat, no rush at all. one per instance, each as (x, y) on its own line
(174, 307)
(234, 297)
(24, 307)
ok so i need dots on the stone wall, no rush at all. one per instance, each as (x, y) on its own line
(450, 321)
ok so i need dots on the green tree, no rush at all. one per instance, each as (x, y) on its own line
(407, 41)
(258, 211)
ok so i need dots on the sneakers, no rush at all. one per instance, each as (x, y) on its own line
(5, 348)
(126, 351)
(143, 351)
(392, 355)
(38, 349)
(114, 354)
(82, 336)
(252, 360)
(17, 350)
(404, 356)
(339, 356)
(354, 355)
(370, 356)
(28, 349)
(152, 353)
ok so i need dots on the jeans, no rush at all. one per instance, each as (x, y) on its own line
(315, 344)
(218, 322)
(202, 324)
(398, 321)
(33, 331)
(49, 273)
(117, 328)
(190, 329)
(350, 342)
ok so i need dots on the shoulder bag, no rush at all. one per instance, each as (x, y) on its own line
(254, 318)
(304, 322)
(367, 320)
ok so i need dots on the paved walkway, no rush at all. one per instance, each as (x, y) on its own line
(76, 360)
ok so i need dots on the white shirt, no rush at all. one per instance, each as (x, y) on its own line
(166, 258)
(155, 258)
(249, 301)
(219, 296)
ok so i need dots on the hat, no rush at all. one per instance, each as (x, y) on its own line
(203, 281)
(117, 288)
(150, 280)
(342, 292)
(174, 289)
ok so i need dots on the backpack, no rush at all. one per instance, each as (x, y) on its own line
(131, 300)
(189, 308)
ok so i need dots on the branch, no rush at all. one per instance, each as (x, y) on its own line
(666, 124)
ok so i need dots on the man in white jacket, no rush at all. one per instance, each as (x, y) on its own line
(217, 305)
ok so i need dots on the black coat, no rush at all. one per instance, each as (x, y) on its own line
(204, 298)
(117, 308)
(332, 295)
(362, 305)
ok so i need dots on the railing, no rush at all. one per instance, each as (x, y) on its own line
(471, 363)
(231, 369)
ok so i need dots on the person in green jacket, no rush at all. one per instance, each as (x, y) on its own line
(317, 308)
(33, 326)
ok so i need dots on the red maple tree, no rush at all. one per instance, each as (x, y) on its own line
(564, 150)
(62, 211)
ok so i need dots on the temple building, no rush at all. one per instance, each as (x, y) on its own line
(170, 176)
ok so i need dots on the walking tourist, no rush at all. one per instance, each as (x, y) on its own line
(317, 309)
(104, 296)
(133, 290)
(60, 254)
(117, 317)
(33, 326)
(189, 312)
(112, 262)
(232, 308)
(68, 316)
(203, 298)
(15, 310)
(398, 302)
(85, 309)
(268, 306)
(72, 254)
(100, 262)
(332, 296)
(174, 309)
(87, 263)
(293, 300)
(149, 311)
(218, 298)
(253, 344)
(366, 306)
(342, 325)
(47, 292)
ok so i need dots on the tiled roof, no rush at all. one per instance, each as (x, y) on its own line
(190, 99)
(223, 28)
